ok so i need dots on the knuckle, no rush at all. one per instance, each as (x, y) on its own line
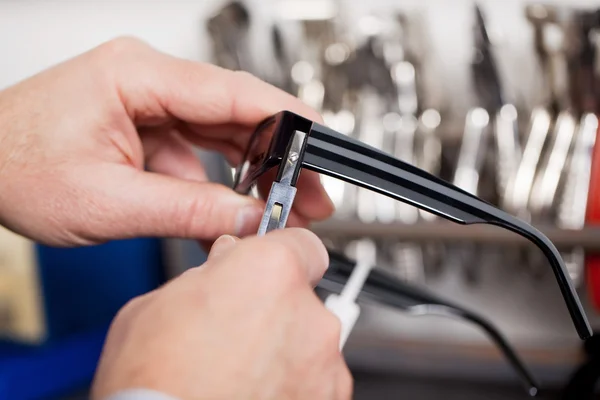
(120, 48)
(194, 216)
(283, 263)
(125, 44)
(188, 219)
(241, 75)
(130, 308)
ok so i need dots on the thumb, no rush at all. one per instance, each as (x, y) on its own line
(221, 246)
(146, 204)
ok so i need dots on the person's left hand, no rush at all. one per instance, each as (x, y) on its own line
(75, 139)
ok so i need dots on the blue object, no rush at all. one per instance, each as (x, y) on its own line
(49, 371)
(83, 289)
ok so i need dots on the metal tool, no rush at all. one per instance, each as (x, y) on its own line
(308, 72)
(507, 144)
(550, 46)
(516, 197)
(584, 94)
(229, 30)
(284, 64)
(551, 170)
(407, 258)
(281, 197)
(428, 148)
(467, 175)
(341, 193)
(472, 150)
(404, 76)
(475, 141)
(491, 96)
(543, 18)
(310, 88)
(547, 44)
(575, 96)
(426, 94)
(371, 206)
(582, 58)
(571, 214)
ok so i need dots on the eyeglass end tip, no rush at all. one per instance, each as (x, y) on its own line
(585, 332)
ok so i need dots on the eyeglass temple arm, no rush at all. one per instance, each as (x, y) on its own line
(331, 153)
(386, 289)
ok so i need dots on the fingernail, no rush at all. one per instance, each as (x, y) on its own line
(193, 176)
(221, 245)
(329, 200)
(248, 220)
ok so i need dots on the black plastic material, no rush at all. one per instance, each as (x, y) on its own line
(267, 147)
(337, 155)
(386, 289)
(584, 381)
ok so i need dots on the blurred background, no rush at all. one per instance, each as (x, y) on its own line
(499, 97)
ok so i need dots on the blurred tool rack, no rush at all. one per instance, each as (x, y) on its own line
(522, 137)
(587, 237)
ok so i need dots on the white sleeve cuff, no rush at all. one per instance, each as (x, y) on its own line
(140, 394)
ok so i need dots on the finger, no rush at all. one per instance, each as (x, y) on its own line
(169, 153)
(236, 133)
(155, 86)
(228, 146)
(297, 221)
(222, 245)
(280, 249)
(206, 94)
(343, 381)
(294, 221)
(311, 202)
(131, 203)
(165, 87)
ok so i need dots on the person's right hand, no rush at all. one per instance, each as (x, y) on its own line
(245, 325)
(101, 147)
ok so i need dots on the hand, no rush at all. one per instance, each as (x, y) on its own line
(74, 141)
(245, 325)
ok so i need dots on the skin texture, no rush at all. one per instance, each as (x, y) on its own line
(75, 139)
(245, 325)
(100, 148)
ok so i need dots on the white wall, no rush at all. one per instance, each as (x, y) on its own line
(37, 34)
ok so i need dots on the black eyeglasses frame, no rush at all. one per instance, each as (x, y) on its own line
(331, 153)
